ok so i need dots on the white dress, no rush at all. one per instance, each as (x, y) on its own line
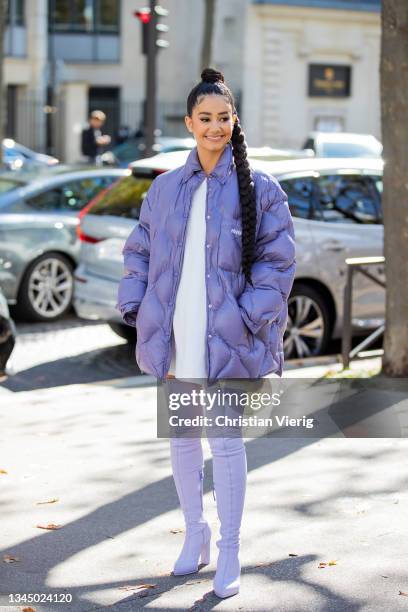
(188, 338)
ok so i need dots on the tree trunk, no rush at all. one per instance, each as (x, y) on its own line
(3, 15)
(208, 33)
(394, 115)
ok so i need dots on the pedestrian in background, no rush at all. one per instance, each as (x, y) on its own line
(208, 271)
(93, 141)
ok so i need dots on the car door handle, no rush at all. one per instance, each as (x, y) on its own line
(333, 245)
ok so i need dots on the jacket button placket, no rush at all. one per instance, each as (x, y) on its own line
(208, 264)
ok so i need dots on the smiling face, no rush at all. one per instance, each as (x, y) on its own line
(211, 123)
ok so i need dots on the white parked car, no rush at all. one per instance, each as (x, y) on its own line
(343, 144)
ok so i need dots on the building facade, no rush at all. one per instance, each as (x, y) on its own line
(293, 65)
(67, 57)
(310, 65)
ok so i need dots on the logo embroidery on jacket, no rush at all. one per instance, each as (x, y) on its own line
(236, 231)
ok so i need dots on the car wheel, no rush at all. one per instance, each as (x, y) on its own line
(46, 290)
(308, 330)
(124, 331)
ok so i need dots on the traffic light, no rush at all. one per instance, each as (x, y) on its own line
(152, 29)
(161, 28)
(148, 20)
(145, 18)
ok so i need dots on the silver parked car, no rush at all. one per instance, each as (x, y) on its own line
(16, 156)
(39, 245)
(336, 206)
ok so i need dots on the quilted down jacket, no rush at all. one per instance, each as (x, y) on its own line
(245, 324)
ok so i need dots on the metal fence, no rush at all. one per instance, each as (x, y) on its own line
(360, 265)
(26, 122)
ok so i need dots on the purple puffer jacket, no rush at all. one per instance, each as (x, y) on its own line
(245, 324)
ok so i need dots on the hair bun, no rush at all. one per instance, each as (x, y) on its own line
(209, 75)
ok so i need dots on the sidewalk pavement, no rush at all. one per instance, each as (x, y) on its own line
(93, 448)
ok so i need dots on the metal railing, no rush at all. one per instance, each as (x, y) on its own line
(357, 264)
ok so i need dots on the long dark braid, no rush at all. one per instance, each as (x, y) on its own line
(247, 198)
(212, 82)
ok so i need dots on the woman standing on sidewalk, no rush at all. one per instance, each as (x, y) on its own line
(208, 271)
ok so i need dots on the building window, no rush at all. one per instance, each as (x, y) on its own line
(94, 16)
(15, 12)
(329, 81)
(107, 17)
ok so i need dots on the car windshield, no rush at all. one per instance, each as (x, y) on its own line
(123, 199)
(349, 149)
(128, 150)
(133, 149)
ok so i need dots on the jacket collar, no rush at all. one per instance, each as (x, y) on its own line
(221, 171)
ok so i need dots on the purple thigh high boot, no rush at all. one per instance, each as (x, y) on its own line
(188, 472)
(229, 475)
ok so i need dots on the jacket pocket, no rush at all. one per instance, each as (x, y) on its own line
(245, 333)
(229, 323)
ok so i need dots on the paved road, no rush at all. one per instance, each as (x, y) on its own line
(91, 445)
(65, 352)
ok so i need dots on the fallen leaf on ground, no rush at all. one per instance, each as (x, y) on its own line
(27, 609)
(293, 555)
(263, 564)
(49, 526)
(10, 558)
(176, 530)
(129, 587)
(48, 501)
(325, 563)
(3, 472)
(134, 587)
(402, 593)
